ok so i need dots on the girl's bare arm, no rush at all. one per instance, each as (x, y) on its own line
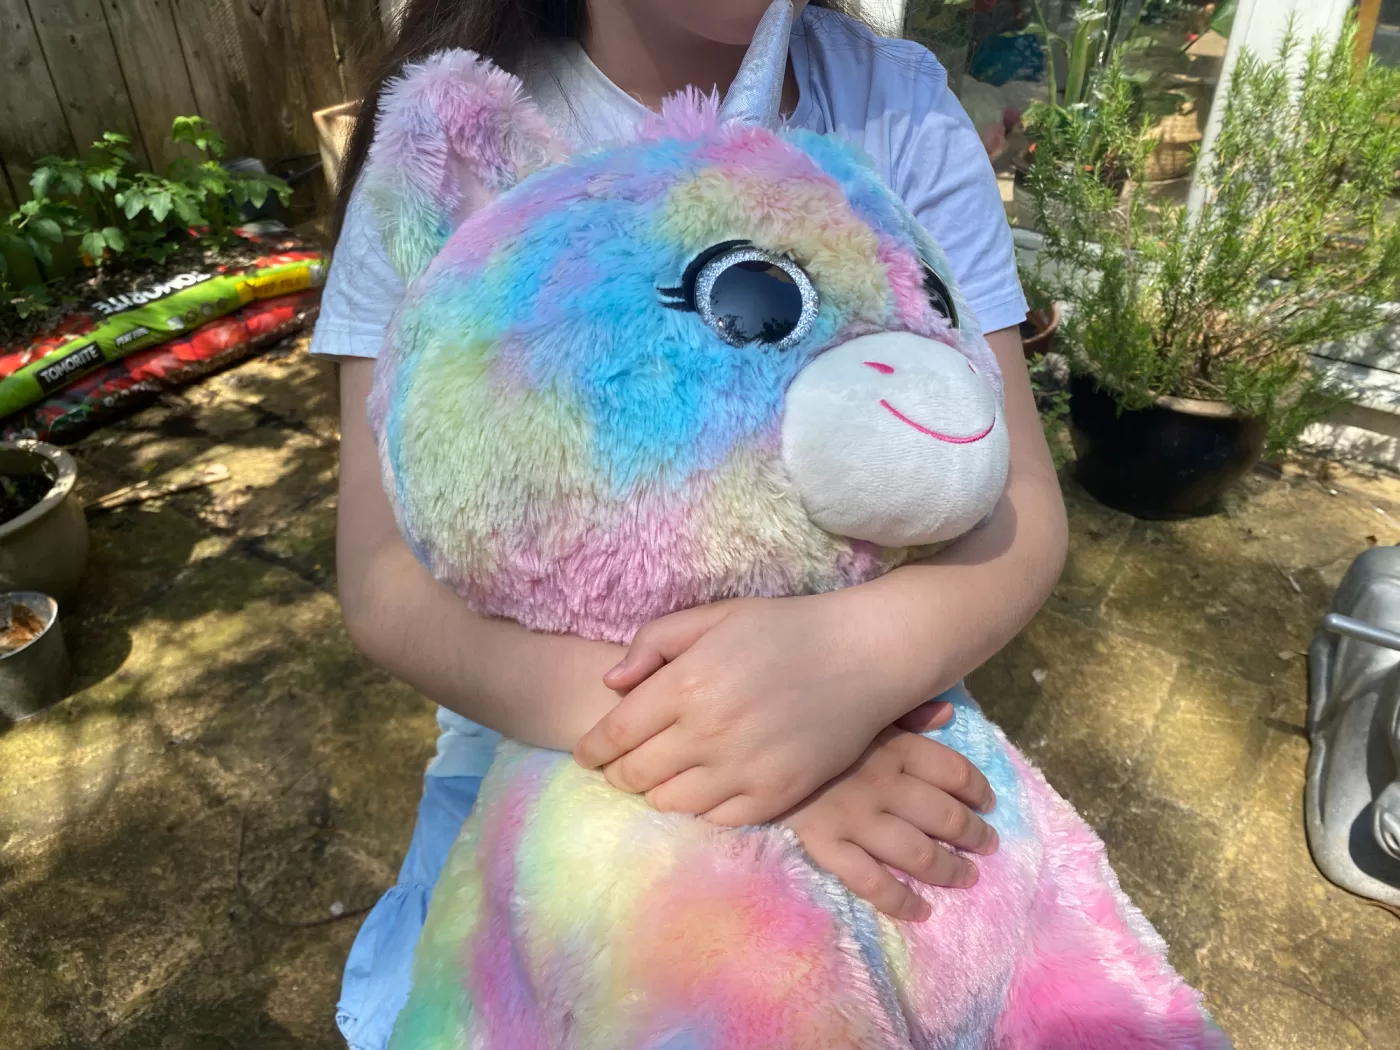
(964, 605)
(741, 710)
(545, 690)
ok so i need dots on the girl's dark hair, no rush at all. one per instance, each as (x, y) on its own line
(502, 30)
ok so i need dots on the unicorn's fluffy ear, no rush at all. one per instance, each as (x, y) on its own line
(453, 131)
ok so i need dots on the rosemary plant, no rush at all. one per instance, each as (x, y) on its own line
(1296, 243)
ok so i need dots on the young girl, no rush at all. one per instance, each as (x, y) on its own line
(806, 710)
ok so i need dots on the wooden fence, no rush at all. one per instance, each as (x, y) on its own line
(72, 69)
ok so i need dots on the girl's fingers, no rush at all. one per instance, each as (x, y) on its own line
(938, 815)
(739, 811)
(869, 880)
(893, 841)
(945, 769)
(652, 762)
(660, 642)
(694, 791)
(638, 717)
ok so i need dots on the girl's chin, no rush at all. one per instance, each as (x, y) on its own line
(724, 21)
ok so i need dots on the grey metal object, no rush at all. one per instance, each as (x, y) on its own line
(34, 677)
(1352, 801)
(756, 95)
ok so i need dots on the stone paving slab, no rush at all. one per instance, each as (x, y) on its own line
(1162, 690)
(1169, 707)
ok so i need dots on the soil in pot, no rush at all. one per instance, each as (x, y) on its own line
(20, 628)
(1172, 460)
(34, 668)
(43, 540)
(20, 493)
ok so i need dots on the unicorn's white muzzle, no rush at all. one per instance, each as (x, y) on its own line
(895, 439)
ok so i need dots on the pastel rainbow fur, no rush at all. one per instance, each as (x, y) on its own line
(564, 451)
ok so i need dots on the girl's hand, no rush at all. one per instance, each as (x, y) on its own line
(888, 809)
(738, 711)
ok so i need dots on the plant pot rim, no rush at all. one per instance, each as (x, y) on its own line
(1052, 311)
(62, 485)
(1190, 406)
(41, 605)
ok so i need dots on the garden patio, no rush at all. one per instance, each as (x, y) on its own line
(229, 766)
(189, 840)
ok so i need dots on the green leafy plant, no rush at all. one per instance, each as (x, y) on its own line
(104, 206)
(1095, 39)
(939, 22)
(27, 241)
(86, 189)
(201, 194)
(1038, 295)
(1052, 402)
(1295, 243)
(1103, 36)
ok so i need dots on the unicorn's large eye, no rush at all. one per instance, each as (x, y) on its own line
(939, 295)
(747, 295)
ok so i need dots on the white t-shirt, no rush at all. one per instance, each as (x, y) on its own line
(890, 97)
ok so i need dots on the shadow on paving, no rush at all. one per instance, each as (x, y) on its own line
(241, 700)
(214, 685)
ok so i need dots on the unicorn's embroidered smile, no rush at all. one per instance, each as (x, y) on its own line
(888, 370)
(949, 438)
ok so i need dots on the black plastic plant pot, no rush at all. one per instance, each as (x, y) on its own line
(1172, 460)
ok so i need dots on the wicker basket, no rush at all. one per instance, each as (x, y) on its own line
(1178, 136)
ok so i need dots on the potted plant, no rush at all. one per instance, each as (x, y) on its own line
(1038, 330)
(1188, 332)
(43, 531)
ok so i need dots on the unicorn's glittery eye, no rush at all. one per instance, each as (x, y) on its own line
(939, 297)
(747, 295)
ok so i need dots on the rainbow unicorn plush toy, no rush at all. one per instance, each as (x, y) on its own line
(721, 360)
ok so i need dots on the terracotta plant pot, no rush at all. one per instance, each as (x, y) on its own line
(45, 548)
(34, 676)
(1173, 460)
(1038, 331)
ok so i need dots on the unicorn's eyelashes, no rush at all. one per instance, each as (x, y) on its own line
(685, 292)
(747, 295)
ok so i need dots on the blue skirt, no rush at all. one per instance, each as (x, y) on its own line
(379, 972)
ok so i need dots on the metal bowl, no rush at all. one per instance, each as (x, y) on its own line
(35, 676)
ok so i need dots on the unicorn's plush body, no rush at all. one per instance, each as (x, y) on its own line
(722, 360)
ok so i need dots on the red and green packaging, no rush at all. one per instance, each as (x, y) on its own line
(112, 329)
(123, 386)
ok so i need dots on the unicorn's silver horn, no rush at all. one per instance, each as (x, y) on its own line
(756, 96)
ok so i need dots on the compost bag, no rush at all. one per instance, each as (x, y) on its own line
(120, 387)
(153, 311)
